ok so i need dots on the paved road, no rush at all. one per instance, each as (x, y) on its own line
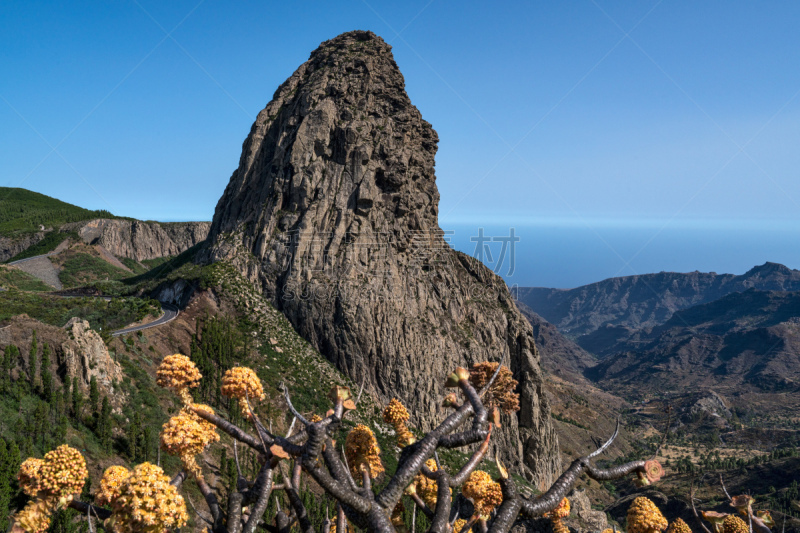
(170, 313)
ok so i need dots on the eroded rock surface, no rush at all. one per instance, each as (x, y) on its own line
(139, 240)
(333, 213)
(85, 356)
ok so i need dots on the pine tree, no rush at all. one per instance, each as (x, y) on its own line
(33, 360)
(77, 401)
(94, 397)
(47, 377)
(105, 425)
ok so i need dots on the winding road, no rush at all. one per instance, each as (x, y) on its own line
(170, 311)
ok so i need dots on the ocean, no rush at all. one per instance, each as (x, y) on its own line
(570, 255)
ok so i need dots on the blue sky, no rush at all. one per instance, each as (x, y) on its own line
(585, 112)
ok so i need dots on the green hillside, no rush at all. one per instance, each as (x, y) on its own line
(23, 211)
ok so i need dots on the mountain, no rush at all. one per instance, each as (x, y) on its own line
(559, 354)
(597, 315)
(332, 213)
(742, 342)
(34, 224)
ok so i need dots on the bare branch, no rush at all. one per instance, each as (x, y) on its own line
(605, 446)
(485, 388)
(291, 407)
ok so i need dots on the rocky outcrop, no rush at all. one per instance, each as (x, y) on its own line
(139, 240)
(85, 356)
(9, 247)
(333, 214)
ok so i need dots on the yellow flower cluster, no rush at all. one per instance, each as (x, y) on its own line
(28, 475)
(35, 516)
(397, 415)
(426, 487)
(484, 492)
(734, 524)
(63, 472)
(459, 525)
(679, 526)
(242, 383)
(502, 392)
(147, 503)
(644, 517)
(178, 373)
(362, 452)
(395, 412)
(186, 435)
(51, 482)
(112, 480)
(557, 516)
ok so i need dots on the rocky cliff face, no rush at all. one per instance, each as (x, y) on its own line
(141, 240)
(78, 351)
(86, 356)
(9, 247)
(333, 214)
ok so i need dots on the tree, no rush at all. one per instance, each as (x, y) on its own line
(47, 377)
(347, 478)
(33, 364)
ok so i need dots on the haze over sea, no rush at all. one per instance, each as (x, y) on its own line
(567, 254)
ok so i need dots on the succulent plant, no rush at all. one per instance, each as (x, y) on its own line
(484, 492)
(147, 503)
(243, 384)
(110, 483)
(557, 516)
(734, 524)
(679, 526)
(178, 373)
(184, 436)
(397, 415)
(502, 392)
(28, 476)
(362, 452)
(645, 517)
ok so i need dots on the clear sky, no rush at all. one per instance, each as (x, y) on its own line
(585, 112)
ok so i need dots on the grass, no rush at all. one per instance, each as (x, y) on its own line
(79, 268)
(12, 277)
(23, 212)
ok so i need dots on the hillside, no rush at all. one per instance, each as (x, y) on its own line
(23, 211)
(33, 224)
(647, 300)
(743, 342)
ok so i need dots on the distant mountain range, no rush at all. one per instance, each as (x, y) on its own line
(592, 314)
(677, 334)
